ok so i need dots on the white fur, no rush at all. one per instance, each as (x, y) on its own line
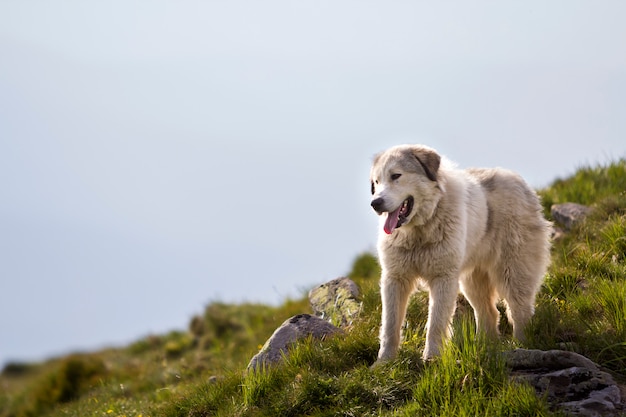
(480, 231)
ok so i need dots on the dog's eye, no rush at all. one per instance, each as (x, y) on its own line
(372, 187)
(395, 176)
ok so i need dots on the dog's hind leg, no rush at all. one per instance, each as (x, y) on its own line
(519, 288)
(520, 309)
(482, 296)
(395, 297)
(519, 313)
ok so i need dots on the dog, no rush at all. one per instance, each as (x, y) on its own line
(480, 231)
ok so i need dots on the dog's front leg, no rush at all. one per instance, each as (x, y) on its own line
(442, 303)
(395, 294)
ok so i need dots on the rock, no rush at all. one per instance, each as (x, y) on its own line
(568, 214)
(600, 402)
(292, 330)
(570, 382)
(557, 233)
(336, 301)
(546, 359)
(214, 379)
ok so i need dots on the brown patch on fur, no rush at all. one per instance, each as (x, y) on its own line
(429, 160)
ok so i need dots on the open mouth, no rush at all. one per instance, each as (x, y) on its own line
(399, 216)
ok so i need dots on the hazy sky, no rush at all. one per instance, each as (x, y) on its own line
(156, 156)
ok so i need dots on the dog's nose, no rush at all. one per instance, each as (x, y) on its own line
(377, 204)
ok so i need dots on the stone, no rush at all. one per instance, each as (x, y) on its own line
(336, 301)
(570, 382)
(568, 214)
(214, 379)
(557, 233)
(603, 402)
(292, 330)
(520, 359)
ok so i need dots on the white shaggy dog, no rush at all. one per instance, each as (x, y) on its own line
(444, 229)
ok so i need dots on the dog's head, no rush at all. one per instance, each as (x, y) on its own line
(405, 184)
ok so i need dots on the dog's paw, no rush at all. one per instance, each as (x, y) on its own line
(378, 363)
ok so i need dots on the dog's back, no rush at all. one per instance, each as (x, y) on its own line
(514, 210)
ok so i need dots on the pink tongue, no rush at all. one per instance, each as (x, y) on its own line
(392, 220)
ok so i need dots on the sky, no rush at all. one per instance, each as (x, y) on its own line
(157, 156)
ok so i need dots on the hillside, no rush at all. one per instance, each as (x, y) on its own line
(201, 371)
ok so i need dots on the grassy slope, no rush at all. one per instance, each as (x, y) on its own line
(200, 372)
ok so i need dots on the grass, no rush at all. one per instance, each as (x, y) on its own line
(334, 378)
(201, 371)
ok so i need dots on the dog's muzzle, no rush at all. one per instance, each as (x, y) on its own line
(378, 205)
(395, 218)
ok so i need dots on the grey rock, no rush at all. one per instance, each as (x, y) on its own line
(598, 403)
(568, 214)
(570, 382)
(336, 301)
(557, 233)
(214, 379)
(520, 359)
(292, 330)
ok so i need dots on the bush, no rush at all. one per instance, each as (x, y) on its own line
(177, 343)
(365, 266)
(14, 369)
(73, 377)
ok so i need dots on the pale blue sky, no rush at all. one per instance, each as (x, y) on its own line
(156, 156)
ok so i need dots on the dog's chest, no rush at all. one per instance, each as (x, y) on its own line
(427, 260)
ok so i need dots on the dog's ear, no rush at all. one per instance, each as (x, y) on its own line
(429, 160)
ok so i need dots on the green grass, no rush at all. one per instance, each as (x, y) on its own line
(334, 378)
(588, 186)
(201, 371)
